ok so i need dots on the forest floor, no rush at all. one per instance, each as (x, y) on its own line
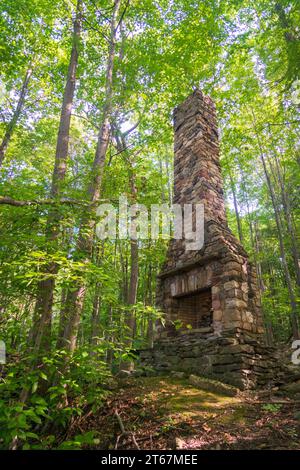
(169, 413)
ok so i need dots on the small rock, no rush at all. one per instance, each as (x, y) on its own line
(179, 443)
(293, 387)
(111, 384)
(138, 373)
(213, 386)
(177, 375)
(297, 415)
(263, 393)
(123, 374)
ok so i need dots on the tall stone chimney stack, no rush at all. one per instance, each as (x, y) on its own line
(215, 286)
(197, 173)
(213, 321)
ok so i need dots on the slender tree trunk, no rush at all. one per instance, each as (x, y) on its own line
(134, 251)
(269, 334)
(61, 325)
(76, 297)
(293, 303)
(45, 293)
(150, 327)
(130, 322)
(267, 322)
(257, 258)
(95, 323)
(134, 255)
(288, 215)
(236, 209)
(12, 124)
(110, 338)
(163, 194)
(249, 216)
(291, 230)
(289, 35)
(133, 283)
(254, 236)
(169, 178)
(124, 268)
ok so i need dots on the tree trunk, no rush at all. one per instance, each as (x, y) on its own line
(12, 124)
(257, 258)
(133, 283)
(245, 197)
(75, 298)
(288, 215)
(95, 323)
(236, 209)
(150, 326)
(134, 251)
(110, 338)
(293, 303)
(45, 293)
(169, 178)
(62, 318)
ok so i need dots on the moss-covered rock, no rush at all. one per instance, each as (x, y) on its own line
(213, 386)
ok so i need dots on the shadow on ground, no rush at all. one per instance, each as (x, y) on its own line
(169, 413)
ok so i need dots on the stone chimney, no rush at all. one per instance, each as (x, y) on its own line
(212, 289)
(213, 323)
(197, 172)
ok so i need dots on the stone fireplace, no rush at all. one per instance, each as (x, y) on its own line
(194, 310)
(215, 287)
(209, 297)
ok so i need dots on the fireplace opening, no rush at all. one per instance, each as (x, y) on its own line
(195, 310)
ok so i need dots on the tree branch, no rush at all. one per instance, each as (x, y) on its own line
(85, 118)
(122, 15)
(17, 203)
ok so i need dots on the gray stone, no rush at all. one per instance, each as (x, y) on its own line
(177, 375)
(237, 348)
(292, 388)
(124, 373)
(138, 373)
(111, 384)
(179, 443)
(297, 415)
(212, 386)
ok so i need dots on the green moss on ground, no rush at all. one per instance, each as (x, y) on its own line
(161, 411)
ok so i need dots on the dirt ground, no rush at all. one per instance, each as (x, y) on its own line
(169, 413)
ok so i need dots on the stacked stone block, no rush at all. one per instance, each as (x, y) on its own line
(236, 358)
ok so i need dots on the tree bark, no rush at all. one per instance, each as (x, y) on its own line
(12, 124)
(289, 35)
(257, 258)
(134, 251)
(150, 326)
(110, 338)
(293, 302)
(95, 323)
(245, 197)
(236, 208)
(288, 214)
(75, 298)
(45, 291)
